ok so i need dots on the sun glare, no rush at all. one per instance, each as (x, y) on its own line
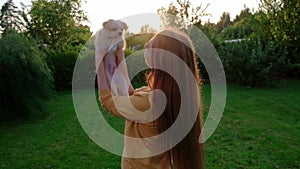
(100, 11)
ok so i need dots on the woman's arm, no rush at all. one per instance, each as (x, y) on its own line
(101, 78)
(120, 58)
(132, 107)
(129, 107)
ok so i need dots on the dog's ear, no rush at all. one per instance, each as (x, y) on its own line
(105, 24)
(124, 25)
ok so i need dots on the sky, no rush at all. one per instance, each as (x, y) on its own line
(137, 13)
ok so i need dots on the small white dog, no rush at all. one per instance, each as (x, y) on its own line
(108, 41)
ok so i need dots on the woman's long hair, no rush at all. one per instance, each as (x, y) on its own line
(188, 153)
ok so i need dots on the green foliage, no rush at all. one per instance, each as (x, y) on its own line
(127, 52)
(10, 19)
(138, 40)
(210, 31)
(78, 37)
(25, 78)
(57, 23)
(137, 60)
(241, 28)
(86, 59)
(183, 14)
(244, 14)
(261, 57)
(283, 17)
(62, 65)
(135, 45)
(224, 22)
(58, 27)
(253, 63)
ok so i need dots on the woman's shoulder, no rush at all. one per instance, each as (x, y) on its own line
(140, 98)
(142, 89)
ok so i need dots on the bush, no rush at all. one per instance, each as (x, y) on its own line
(137, 68)
(25, 79)
(138, 41)
(253, 63)
(62, 65)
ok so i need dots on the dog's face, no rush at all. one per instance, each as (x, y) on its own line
(115, 28)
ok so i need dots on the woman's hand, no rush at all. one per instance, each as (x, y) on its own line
(102, 80)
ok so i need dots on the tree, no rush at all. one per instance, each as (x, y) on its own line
(147, 29)
(182, 15)
(209, 29)
(10, 19)
(58, 26)
(224, 22)
(283, 17)
(242, 26)
(25, 79)
(256, 57)
(56, 22)
(245, 13)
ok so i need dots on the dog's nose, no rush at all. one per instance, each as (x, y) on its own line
(120, 33)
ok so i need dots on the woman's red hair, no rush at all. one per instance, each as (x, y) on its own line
(188, 153)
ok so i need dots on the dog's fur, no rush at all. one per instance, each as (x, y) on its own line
(109, 40)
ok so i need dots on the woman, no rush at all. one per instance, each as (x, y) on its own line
(164, 54)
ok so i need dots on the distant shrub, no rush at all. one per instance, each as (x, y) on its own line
(137, 68)
(62, 65)
(253, 63)
(135, 46)
(137, 41)
(127, 52)
(25, 79)
(86, 65)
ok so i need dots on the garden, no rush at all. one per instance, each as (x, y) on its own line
(259, 50)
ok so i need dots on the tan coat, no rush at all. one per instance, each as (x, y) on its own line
(140, 100)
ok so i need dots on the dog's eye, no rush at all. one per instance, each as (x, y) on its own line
(114, 29)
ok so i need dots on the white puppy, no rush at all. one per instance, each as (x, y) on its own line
(109, 38)
(108, 41)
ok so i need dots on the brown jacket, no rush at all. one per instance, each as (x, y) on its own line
(140, 101)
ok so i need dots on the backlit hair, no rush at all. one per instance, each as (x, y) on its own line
(188, 153)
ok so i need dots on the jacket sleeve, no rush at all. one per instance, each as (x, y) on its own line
(129, 107)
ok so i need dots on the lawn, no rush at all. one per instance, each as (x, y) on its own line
(260, 128)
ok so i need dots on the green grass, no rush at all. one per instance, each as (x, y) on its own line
(260, 128)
